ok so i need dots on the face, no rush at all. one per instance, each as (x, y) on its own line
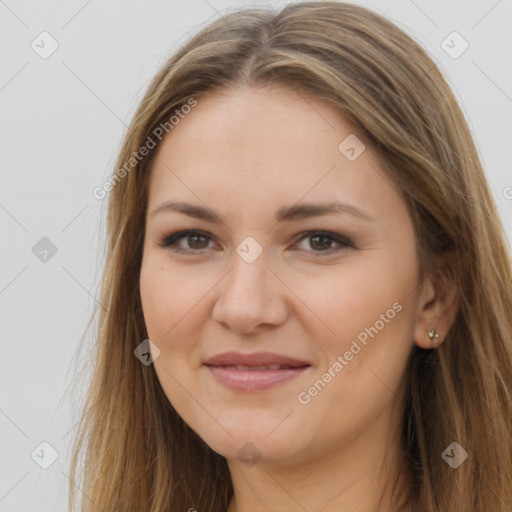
(314, 306)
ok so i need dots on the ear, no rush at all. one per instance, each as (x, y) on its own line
(438, 305)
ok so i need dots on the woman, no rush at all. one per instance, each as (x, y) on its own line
(307, 290)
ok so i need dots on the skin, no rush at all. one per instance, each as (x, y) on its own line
(244, 153)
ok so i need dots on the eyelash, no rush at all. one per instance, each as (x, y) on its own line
(170, 241)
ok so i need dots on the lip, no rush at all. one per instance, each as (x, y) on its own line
(255, 359)
(224, 369)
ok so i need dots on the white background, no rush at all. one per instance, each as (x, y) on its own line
(62, 121)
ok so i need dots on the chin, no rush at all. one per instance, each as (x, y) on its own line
(252, 438)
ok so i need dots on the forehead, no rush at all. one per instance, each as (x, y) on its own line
(260, 148)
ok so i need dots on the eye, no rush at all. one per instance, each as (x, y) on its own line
(321, 241)
(196, 241)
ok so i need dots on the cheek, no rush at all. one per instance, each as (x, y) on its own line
(344, 300)
(370, 317)
(155, 300)
(167, 295)
(370, 312)
(168, 307)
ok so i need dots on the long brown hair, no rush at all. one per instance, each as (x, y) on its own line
(132, 450)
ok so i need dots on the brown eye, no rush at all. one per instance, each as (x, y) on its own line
(190, 242)
(322, 242)
(186, 241)
(197, 241)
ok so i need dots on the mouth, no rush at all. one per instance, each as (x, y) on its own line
(254, 372)
(268, 367)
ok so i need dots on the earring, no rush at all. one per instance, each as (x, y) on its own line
(433, 336)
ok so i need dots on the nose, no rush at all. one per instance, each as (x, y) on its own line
(250, 297)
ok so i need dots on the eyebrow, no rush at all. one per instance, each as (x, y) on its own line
(285, 213)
